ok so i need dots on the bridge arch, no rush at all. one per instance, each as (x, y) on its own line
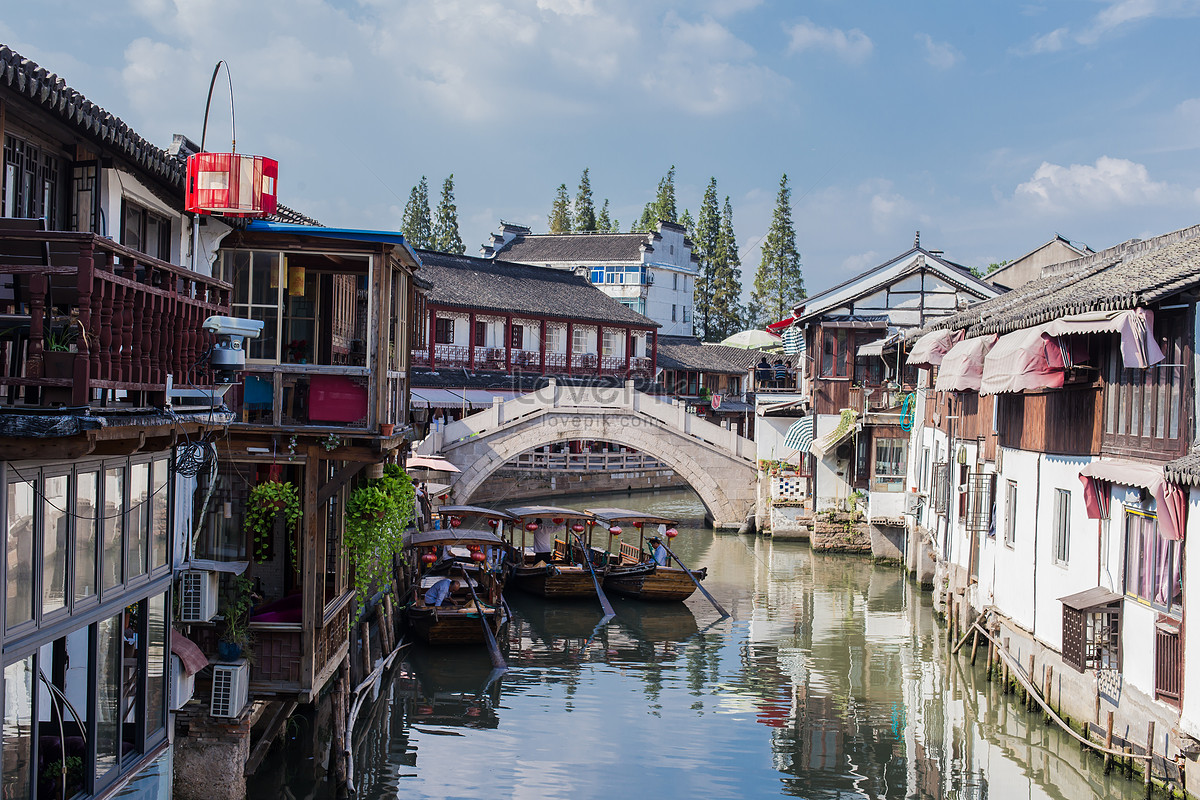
(725, 483)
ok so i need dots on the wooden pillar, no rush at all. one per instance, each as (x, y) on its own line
(432, 323)
(368, 663)
(1146, 778)
(653, 353)
(508, 342)
(599, 349)
(542, 347)
(471, 343)
(80, 388)
(1108, 728)
(314, 585)
(570, 346)
(628, 351)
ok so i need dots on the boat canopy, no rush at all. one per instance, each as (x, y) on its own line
(523, 512)
(479, 510)
(451, 536)
(626, 515)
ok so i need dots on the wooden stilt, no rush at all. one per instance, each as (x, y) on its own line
(339, 723)
(1108, 742)
(991, 658)
(368, 664)
(1028, 693)
(974, 645)
(387, 627)
(1046, 692)
(1150, 756)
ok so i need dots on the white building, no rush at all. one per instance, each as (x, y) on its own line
(652, 273)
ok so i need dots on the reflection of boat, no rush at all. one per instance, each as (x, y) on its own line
(633, 572)
(672, 622)
(450, 690)
(473, 558)
(565, 575)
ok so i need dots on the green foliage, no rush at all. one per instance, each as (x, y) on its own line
(662, 207)
(603, 223)
(560, 212)
(54, 770)
(59, 340)
(728, 316)
(416, 224)
(647, 222)
(237, 611)
(995, 265)
(446, 238)
(377, 514)
(585, 210)
(705, 244)
(779, 282)
(266, 502)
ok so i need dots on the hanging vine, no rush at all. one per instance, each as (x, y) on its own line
(377, 514)
(267, 500)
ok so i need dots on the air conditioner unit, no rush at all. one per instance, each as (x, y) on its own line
(183, 685)
(912, 502)
(230, 688)
(198, 595)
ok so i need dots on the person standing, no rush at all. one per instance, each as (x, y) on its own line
(543, 543)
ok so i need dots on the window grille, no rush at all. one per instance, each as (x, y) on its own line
(940, 490)
(1062, 525)
(980, 492)
(1168, 662)
(1010, 514)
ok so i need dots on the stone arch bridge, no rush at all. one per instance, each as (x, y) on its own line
(716, 462)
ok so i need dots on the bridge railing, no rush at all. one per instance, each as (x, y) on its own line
(592, 399)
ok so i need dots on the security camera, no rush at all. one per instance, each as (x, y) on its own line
(228, 355)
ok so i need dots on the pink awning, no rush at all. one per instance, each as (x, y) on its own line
(1024, 359)
(962, 367)
(1138, 348)
(931, 348)
(1171, 500)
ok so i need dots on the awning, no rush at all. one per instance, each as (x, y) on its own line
(846, 428)
(877, 347)
(962, 366)
(1171, 500)
(456, 398)
(849, 321)
(799, 435)
(1138, 348)
(777, 327)
(1088, 599)
(1024, 359)
(430, 462)
(930, 349)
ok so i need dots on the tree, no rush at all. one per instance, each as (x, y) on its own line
(705, 243)
(648, 221)
(727, 312)
(585, 211)
(560, 212)
(661, 208)
(687, 223)
(415, 224)
(603, 224)
(446, 238)
(779, 281)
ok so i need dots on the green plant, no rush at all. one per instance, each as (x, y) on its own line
(377, 513)
(237, 611)
(331, 442)
(54, 770)
(267, 500)
(60, 340)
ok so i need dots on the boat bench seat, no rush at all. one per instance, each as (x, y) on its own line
(630, 554)
(428, 581)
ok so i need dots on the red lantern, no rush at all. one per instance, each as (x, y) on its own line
(474, 548)
(615, 530)
(232, 184)
(638, 524)
(478, 556)
(493, 522)
(672, 533)
(577, 527)
(428, 558)
(455, 522)
(558, 520)
(531, 526)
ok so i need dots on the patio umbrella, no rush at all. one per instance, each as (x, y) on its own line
(752, 340)
(430, 462)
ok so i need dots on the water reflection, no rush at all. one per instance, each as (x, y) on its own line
(831, 680)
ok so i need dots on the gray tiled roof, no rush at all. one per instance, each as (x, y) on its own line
(548, 248)
(1185, 469)
(1131, 274)
(504, 286)
(688, 353)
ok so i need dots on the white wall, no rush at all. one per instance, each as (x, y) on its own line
(1190, 718)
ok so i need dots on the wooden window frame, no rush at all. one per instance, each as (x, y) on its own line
(443, 330)
(1061, 543)
(1146, 412)
(1010, 513)
(981, 501)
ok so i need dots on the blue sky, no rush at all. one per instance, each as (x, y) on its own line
(988, 126)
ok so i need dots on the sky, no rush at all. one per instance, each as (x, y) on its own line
(987, 126)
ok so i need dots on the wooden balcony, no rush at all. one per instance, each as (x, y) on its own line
(498, 359)
(85, 321)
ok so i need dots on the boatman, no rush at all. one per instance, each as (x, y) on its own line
(440, 592)
(543, 543)
(660, 555)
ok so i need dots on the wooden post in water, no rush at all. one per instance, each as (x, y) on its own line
(1149, 756)
(367, 663)
(991, 658)
(1046, 693)
(339, 722)
(974, 646)
(1108, 743)
(1029, 692)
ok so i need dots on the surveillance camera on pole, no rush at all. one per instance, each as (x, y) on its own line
(228, 355)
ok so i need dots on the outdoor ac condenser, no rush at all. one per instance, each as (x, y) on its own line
(198, 595)
(182, 684)
(230, 688)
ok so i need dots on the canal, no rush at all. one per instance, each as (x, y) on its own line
(831, 679)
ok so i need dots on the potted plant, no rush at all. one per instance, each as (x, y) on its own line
(377, 513)
(235, 639)
(267, 501)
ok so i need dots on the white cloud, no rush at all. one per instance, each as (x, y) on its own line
(1117, 14)
(939, 55)
(852, 46)
(1107, 184)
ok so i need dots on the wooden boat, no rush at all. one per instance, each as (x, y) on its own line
(457, 622)
(480, 519)
(566, 575)
(633, 572)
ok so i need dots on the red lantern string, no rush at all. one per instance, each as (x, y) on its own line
(615, 530)
(672, 533)
(455, 522)
(558, 520)
(493, 522)
(531, 526)
(478, 556)
(577, 527)
(637, 524)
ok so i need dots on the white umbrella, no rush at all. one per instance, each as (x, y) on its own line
(436, 463)
(753, 339)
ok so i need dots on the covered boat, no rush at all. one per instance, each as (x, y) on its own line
(559, 572)
(633, 571)
(474, 558)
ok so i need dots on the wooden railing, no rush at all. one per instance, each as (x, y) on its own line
(85, 316)
(495, 359)
(300, 395)
(616, 462)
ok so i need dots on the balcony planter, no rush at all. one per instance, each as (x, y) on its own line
(267, 500)
(377, 513)
(386, 428)
(58, 364)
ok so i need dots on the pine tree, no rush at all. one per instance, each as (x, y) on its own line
(415, 224)
(688, 224)
(585, 211)
(446, 238)
(704, 244)
(779, 282)
(603, 224)
(648, 221)
(664, 204)
(560, 212)
(727, 312)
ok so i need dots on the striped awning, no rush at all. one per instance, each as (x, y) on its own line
(793, 340)
(799, 435)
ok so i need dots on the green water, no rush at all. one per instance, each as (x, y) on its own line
(831, 679)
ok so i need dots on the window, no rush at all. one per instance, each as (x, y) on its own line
(481, 333)
(18, 585)
(834, 353)
(980, 505)
(940, 488)
(889, 465)
(734, 385)
(1062, 526)
(144, 230)
(672, 312)
(579, 340)
(597, 274)
(868, 370)
(610, 342)
(1153, 564)
(30, 182)
(55, 542)
(87, 495)
(1010, 513)
(1144, 407)
(712, 383)
(675, 281)
(685, 314)
(553, 340)
(257, 292)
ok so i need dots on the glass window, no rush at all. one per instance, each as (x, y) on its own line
(553, 340)
(86, 494)
(133, 644)
(156, 665)
(18, 586)
(610, 342)
(108, 694)
(1010, 513)
(597, 274)
(1062, 525)
(579, 341)
(138, 535)
(834, 353)
(889, 465)
(54, 543)
(443, 331)
(256, 295)
(160, 511)
(1153, 563)
(114, 526)
(17, 747)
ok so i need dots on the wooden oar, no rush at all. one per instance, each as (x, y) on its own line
(604, 604)
(493, 648)
(703, 591)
